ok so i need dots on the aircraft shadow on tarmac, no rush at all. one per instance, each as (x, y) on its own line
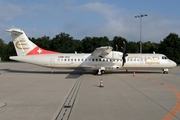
(77, 73)
(70, 74)
(131, 72)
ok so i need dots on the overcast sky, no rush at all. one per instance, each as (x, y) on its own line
(81, 18)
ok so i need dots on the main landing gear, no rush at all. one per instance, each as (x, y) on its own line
(165, 71)
(100, 71)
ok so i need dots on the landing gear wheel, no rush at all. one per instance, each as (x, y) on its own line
(165, 71)
(102, 71)
(99, 72)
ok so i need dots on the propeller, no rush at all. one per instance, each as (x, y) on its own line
(124, 54)
(116, 47)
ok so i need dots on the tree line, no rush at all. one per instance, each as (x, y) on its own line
(64, 43)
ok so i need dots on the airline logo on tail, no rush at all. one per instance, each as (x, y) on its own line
(24, 46)
(21, 44)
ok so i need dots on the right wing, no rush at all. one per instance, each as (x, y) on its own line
(102, 51)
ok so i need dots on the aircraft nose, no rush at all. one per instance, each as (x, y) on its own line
(174, 64)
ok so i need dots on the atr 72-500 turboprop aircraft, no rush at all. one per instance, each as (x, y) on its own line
(101, 60)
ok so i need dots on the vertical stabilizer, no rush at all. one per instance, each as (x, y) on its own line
(24, 46)
(21, 42)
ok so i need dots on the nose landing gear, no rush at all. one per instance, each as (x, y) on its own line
(165, 71)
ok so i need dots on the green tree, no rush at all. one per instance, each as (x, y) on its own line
(9, 51)
(118, 43)
(63, 43)
(87, 45)
(149, 47)
(43, 42)
(132, 47)
(90, 44)
(170, 46)
(78, 46)
(2, 49)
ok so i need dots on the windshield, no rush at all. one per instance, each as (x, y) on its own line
(164, 57)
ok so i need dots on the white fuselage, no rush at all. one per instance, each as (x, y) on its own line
(101, 59)
(90, 62)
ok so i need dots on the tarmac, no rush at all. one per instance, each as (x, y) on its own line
(30, 92)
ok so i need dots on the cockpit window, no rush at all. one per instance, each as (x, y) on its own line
(164, 57)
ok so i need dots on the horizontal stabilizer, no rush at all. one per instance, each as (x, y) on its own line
(15, 31)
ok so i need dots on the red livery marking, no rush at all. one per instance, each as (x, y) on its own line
(37, 50)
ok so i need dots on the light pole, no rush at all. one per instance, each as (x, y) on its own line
(140, 16)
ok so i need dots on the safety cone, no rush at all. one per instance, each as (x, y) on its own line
(101, 83)
(134, 74)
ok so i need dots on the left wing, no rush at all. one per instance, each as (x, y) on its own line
(102, 51)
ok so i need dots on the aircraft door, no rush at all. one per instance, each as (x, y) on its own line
(51, 61)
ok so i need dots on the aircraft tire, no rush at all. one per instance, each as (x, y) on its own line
(165, 72)
(99, 72)
(102, 71)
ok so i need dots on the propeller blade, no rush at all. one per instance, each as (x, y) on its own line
(116, 47)
(124, 54)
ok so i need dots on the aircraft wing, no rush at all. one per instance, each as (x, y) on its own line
(102, 51)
